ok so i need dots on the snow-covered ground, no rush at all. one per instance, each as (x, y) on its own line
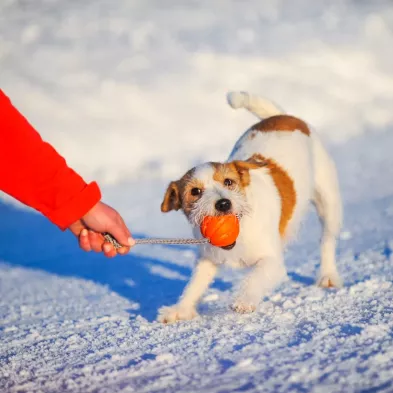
(133, 94)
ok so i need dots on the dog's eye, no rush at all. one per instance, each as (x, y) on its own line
(196, 191)
(228, 182)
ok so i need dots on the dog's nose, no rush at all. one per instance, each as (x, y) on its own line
(223, 205)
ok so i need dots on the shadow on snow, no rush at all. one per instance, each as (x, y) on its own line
(31, 241)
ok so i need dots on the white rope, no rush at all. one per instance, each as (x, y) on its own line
(109, 238)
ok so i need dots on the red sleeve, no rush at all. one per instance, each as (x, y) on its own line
(34, 173)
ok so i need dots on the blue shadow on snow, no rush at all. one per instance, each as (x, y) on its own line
(29, 240)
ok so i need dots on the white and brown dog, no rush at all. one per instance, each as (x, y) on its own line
(275, 169)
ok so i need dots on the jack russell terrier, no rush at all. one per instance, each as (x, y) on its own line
(276, 168)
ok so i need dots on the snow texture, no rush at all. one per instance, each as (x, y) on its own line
(133, 93)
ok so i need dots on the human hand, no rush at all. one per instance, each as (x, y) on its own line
(102, 218)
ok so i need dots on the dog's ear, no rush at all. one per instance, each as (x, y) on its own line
(243, 167)
(172, 199)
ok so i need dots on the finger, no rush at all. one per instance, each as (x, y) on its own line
(96, 241)
(123, 250)
(84, 242)
(109, 250)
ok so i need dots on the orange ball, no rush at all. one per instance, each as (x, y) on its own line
(222, 231)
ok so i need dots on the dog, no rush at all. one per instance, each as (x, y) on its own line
(277, 167)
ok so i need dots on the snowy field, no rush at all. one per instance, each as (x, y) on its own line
(133, 94)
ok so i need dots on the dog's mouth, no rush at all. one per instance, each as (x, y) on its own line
(229, 247)
(239, 216)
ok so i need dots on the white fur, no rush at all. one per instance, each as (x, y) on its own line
(259, 106)
(186, 308)
(259, 244)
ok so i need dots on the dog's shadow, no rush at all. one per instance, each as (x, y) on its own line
(31, 241)
(304, 280)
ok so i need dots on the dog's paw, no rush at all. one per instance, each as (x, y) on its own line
(330, 280)
(176, 313)
(243, 307)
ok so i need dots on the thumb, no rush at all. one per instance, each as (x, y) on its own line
(121, 233)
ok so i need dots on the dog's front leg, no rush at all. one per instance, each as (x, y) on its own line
(263, 278)
(185, 309)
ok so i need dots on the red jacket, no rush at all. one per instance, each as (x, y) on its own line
(34, 173)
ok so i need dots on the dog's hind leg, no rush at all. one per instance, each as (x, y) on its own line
(327, 200)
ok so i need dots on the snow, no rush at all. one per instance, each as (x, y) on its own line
(133, 94)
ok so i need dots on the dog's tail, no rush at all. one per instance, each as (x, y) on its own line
(259, 106)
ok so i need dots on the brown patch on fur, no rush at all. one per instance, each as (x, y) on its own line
(237, 171)
(244, 167)
(178, 194)
(225, 171)
(173, 198)
(188, 199)
(282, 123)
(285, 187)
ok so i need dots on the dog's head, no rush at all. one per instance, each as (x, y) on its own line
(211, 189)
